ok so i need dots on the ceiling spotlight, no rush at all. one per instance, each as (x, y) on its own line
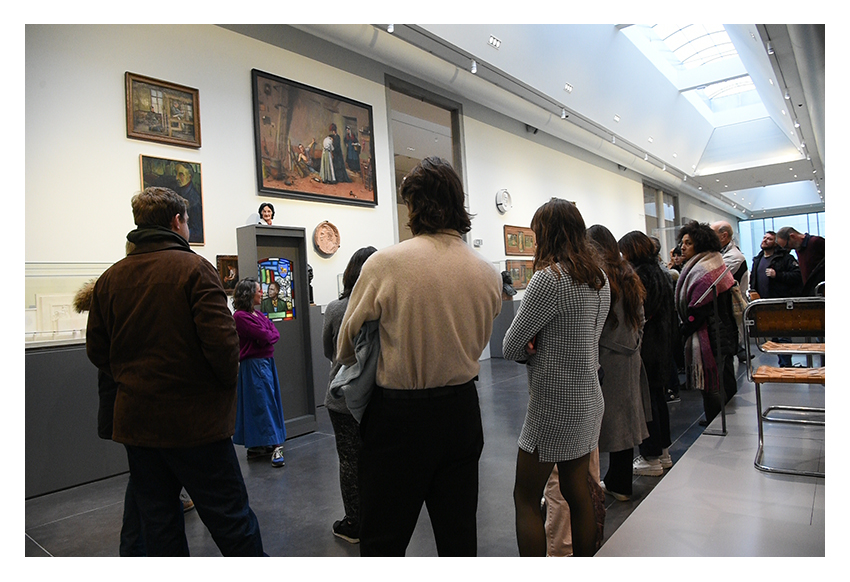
(568, 88)
(797, 124)
(769, 48)
(494, 42)
(645, 157)
(390, 28)
(563, 113)
(614, 139)
(787, 96)
(474, 68)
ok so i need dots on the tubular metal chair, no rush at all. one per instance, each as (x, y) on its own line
(798, 318)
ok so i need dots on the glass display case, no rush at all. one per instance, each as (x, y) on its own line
(49, 289)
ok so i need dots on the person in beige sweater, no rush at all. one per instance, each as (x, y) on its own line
(435, 300)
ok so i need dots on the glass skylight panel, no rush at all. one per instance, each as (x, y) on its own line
(696, 44)
(727, 88)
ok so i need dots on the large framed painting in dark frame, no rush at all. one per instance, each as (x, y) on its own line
(161, 111)
(311, 144)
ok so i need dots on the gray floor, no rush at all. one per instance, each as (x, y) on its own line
(712, 502)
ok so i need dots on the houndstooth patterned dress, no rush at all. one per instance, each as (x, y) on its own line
(565, 403)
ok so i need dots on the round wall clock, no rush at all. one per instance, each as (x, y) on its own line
(503, 201)
(326, 238)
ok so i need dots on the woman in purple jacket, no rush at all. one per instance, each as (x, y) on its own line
(259, 412)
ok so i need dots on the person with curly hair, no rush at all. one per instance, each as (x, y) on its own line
(556, 333)
(707, 327)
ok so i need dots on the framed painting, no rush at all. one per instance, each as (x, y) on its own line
(521, 272)
(228, 271)
(519, 241)
(161, 111)
(312, 145)
(185, 179)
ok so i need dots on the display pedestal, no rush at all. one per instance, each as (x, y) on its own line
(293, 353)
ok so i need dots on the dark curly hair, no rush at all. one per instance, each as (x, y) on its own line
(562, 244)
(243, 295)
(624, 281)
(434, 197)
(702, 235)
(263, 205)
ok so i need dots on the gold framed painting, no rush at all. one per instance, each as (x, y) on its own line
(519, 241)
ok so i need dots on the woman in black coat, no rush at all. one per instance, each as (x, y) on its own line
(642, 253)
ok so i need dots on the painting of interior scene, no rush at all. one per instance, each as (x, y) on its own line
(312, 144)
(278, 284)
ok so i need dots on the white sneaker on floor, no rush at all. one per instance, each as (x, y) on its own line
(647, 467)
(617, 496)
(666, 459)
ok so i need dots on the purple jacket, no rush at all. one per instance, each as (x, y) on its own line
(257, 335)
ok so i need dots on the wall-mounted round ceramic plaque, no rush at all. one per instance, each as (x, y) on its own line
(326, 238)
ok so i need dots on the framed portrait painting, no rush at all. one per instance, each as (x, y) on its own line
(161, 111)
(311, 144)
(185, 179)
(519, 241)
(228, 271)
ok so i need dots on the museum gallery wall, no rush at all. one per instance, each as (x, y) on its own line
(82, 168)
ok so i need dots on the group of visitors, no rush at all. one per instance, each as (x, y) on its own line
(598, 329)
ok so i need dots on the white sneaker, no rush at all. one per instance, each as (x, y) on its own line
(617, 496)
(647, 467)
(666, 459)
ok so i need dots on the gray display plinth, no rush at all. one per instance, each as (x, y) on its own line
(62, 447)
(500, 327)
(293, 353)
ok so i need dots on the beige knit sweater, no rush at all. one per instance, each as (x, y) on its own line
(436, 300)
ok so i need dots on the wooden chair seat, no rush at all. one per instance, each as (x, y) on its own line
(789, 375)
(778, 348)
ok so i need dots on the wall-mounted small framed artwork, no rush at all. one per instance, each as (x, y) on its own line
(519, 241)
(228, 271)
(521, 272)
(162, 112)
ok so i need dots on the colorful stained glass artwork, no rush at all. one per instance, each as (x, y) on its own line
(278, 283)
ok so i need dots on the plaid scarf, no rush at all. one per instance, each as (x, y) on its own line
(697, 276)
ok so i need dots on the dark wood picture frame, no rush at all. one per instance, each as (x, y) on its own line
(519, 241)
(184, 178)
(228, 271)
(311, 144)
(162, 112)
(521, 272)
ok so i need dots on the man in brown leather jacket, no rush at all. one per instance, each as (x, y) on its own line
(160, 326)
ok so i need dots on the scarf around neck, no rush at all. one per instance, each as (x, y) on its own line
(696, 279)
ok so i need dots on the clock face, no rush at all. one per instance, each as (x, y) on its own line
(503, 201)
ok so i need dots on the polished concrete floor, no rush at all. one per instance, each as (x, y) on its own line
(711, 503)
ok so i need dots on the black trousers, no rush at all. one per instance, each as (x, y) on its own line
(420, 446)
(211, 475)
(347, 435)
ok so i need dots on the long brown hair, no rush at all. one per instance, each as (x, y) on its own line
(562, 244)
(624, 281)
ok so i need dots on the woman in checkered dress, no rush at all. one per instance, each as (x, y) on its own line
(556, 333)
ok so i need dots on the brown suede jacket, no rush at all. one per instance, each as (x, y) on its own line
(160, 326)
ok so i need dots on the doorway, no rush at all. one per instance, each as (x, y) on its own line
(419, 128)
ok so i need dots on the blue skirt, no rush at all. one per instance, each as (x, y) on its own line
(259, 412)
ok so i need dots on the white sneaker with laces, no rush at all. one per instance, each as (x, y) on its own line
(647, 467)
(666, 459)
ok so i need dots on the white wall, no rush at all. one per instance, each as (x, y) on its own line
(534, 173)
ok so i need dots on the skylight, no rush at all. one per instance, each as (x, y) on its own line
(696, 44)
